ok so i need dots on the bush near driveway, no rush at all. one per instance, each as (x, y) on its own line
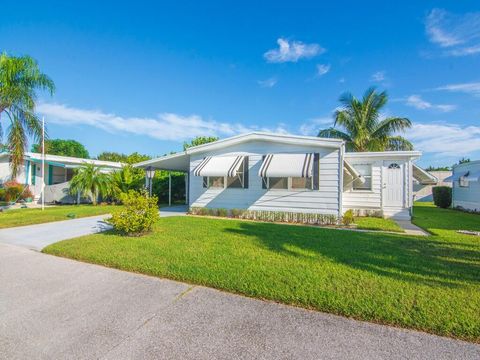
(138, 214)
(426, 283)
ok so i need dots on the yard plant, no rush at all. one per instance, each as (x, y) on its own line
(426, 283)
(442, 196)
(137, 215)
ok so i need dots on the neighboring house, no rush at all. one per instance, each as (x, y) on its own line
(423, 187)
(466, 185)
(59, 170)
(272, 172)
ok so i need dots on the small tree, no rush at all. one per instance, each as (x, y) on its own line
(63, 148)
(442, 196)
(90, 180)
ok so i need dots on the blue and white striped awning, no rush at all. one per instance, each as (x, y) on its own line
(219, 166)
(287, 165)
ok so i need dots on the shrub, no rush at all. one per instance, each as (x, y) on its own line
(138, 214)
(13, 190)
(3, 193)
(27, 193)
(442, 196)
(236, 213)
(348, 217)
(222, 212)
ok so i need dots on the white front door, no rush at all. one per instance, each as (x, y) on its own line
(393, 183)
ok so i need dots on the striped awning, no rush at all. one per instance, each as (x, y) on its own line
(287, 165)
(219, 166)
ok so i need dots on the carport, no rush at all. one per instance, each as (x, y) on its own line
(178, 162)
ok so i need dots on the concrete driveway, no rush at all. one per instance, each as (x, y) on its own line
(54, 308)
(36, 237)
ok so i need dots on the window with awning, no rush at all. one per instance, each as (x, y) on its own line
(463, 176)
(358, 176)
(290, 171)
(223, 171)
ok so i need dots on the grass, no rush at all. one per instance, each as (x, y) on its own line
(426, 283)
(374, 223)
(21, 217)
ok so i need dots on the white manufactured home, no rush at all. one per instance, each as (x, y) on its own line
(272, 172)
(465, 181)
(57, 173)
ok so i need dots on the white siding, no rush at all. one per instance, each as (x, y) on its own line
(365, 199)
(467, 197)
(323, 201)
(6, 172)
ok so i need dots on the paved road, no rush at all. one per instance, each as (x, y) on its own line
(52, 308)
(36, 237)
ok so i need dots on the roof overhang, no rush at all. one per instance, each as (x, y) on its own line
(174, 162)
(384, 154)
(423, 177)
(267, 137)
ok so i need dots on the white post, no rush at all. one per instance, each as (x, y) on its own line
(169, 188)
(186, 188)
(43, 163)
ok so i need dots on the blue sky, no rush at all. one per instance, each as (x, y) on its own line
(138, 76)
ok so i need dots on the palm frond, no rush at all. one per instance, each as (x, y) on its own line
(391, 125)
(398, 143)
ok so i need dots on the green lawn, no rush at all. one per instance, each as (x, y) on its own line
(20, 217)
(374, 223)
(427, 283)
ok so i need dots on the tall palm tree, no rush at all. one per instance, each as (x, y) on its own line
(362, 127)
(20, 78)
(90, 180)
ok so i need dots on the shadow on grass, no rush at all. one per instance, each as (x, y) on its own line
(427, 260)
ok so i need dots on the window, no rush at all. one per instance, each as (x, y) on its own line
(278, 183)
(237, 182)
(365, 170)
(301, 183)
(463, 181)
(288, 183)
(394, 166)
(215, 181)
(240, 181)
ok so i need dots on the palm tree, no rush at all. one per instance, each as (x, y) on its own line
(128, 178)
(363, 129)
(20, 78)
(90, 180)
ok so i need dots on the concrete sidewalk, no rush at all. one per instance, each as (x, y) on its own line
(37, 236)
(54, 308)
(411, 229)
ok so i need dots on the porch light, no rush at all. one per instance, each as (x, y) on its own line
(150, 172)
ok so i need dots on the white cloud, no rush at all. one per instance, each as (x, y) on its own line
(322, 69)
(167, 126)
(268, 83)
(379, 76)
(313, 126)
(458, 35)
(417, 102)
(472, 88)
(292, 51)
(445, 139)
